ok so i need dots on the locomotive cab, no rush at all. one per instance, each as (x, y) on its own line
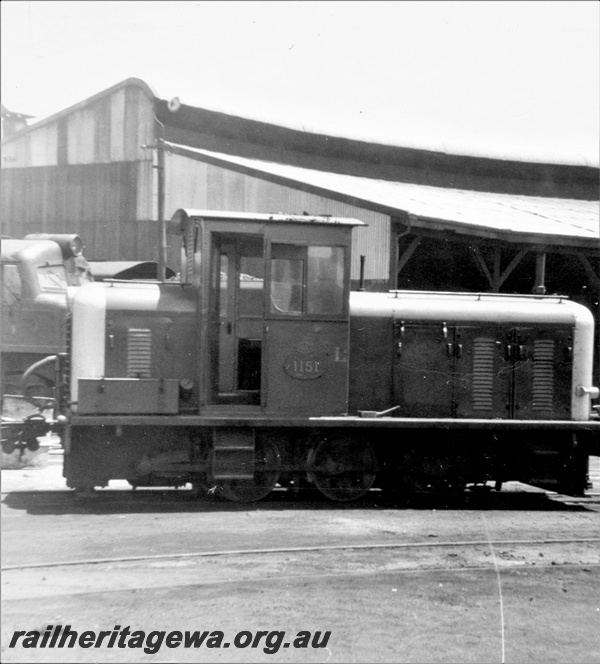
(273, 310)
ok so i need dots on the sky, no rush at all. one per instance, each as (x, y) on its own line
(501, 79)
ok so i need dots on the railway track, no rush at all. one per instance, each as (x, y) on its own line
(308, 549)
(512, 572)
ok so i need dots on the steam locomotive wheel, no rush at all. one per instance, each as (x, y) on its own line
(267, 465)
(342, 469)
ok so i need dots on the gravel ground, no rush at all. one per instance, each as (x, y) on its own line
(433, 581)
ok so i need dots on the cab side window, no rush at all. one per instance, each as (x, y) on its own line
(307, 280)
(325, 280)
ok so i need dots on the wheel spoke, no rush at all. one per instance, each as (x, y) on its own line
(266, 474)
(343, 469)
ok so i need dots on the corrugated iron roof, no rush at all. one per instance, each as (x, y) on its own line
(437, 165)
(472, 212)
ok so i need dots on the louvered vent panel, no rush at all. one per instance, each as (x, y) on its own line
(543, 374)
(139, 353)
(483, 373)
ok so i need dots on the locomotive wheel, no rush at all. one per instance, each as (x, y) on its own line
(342, 469)
(434, 474)
(202, 486)
(202, 483)
(267, 466)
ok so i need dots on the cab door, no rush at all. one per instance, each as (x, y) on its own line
(237, 315)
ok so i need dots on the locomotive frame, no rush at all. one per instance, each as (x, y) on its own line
(260, 368)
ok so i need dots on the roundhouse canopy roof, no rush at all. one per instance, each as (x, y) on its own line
(510, 217)
(237, 136)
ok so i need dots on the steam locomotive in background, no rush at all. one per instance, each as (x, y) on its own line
(36, 274)
(260, 369)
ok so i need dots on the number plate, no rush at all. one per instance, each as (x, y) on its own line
(304, 367)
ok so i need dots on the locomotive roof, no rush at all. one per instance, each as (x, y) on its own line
(219, 215)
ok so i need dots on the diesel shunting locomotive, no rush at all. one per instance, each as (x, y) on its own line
(259, 368)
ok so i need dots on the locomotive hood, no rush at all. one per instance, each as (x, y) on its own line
(495, 310)
(469, 307)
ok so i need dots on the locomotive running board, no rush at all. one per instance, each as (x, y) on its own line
(262, 421)
(456, 423)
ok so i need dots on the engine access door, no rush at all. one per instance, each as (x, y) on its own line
(512, 373)
(483, 372)
(542, 360)
(423, 370)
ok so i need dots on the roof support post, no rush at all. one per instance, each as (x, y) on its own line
(160, 147)
(540, 274)
(162, 228)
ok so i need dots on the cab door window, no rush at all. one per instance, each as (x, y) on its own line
(238, 288)
(288, 278)
(250, 286)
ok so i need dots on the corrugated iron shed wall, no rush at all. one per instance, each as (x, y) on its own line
(194, 184)
(85, 171)
(112, 126)
(97, 201)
